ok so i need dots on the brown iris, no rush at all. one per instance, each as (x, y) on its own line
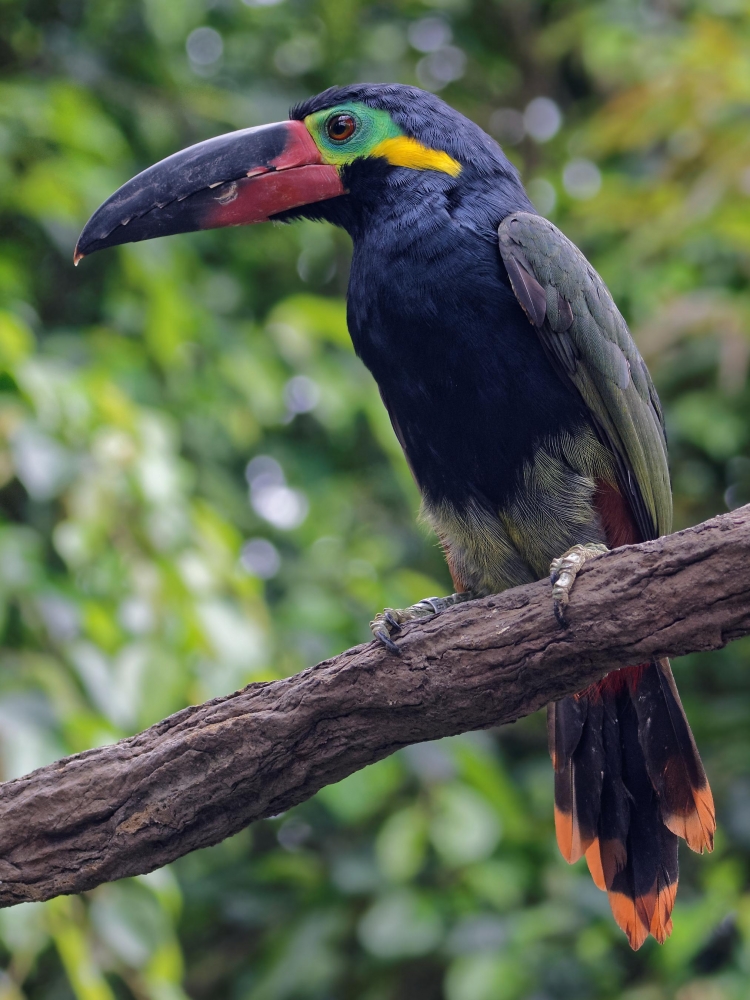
(341, 127)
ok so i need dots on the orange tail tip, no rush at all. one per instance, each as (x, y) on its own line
(572, 844)
(605, 859)
(644, 915)
(661, 922)
(672, 759)
(697, 828)
(614, 856)
(564, 833)
(645, 907)
(594, 861)
(627, 917)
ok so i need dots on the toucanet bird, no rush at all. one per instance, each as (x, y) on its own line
(524, 409)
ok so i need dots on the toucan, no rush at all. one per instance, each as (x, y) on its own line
(525, 412)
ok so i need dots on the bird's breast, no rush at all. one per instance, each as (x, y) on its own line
(461, 370)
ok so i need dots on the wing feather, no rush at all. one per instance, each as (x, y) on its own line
(590, 345)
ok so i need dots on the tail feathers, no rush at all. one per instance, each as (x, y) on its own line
(565, 721)
(672, 760)
(577, 754)
(596, 865)
(642, 892)
(628, 782)
(614, 817)
(666, 886)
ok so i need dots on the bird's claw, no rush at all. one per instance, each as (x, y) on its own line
(390, 621)
(563, 572)
(382, 636)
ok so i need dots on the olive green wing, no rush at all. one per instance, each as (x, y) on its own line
(590, 345)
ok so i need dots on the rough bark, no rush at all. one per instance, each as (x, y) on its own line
(206, 772)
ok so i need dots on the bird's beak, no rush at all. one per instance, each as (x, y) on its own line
(232, 180)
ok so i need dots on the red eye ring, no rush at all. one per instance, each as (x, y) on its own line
(341, 127)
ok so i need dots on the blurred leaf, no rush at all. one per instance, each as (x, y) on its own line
(463, 827)
(401, 844)
(398, 924)
(485, 977)
(363, 793)
(16, 340)
(75, 951)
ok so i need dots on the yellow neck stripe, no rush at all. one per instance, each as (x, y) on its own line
(406, 152)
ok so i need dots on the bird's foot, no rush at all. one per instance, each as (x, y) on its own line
(564, 570)
(389, 622)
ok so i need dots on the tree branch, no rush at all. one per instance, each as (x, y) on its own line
(206, 772)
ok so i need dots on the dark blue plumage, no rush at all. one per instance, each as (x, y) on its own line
(463, 376)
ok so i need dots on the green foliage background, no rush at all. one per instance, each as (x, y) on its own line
(135, 390)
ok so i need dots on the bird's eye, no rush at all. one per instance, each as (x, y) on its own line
(341, 127)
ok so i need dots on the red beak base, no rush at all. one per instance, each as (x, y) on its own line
(256, 199)
(232, 180)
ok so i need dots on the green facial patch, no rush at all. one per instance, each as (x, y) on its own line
(372, 127)
(350, 132)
